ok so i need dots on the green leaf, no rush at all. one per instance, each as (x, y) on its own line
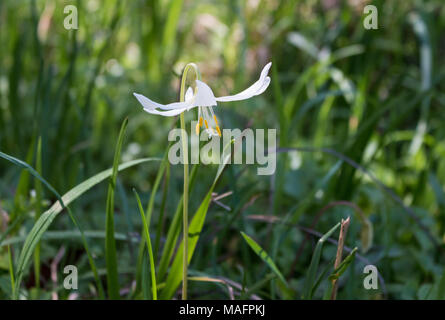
(263, 255)
(23, 185)
(174, 231)
(150, 250)
(194, 231)
(31, 170)
(11, 272)
(343, 265)
(38, 208)
(174, 13)
(313, 267)
(49, 215)
(110, 242)
(148, 215)
(441, 288)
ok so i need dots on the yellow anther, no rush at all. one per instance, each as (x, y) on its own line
(216, 121)
(200, 121)
(217, 129)
(207, 126)
(197, 129)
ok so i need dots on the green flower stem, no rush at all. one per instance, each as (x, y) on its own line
(186, 176)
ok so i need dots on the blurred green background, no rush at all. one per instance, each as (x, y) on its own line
(363, 108)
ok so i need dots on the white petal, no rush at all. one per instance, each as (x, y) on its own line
(151, 105)
(189, 94)
(255, 89)
(204, 96)
(169, 113)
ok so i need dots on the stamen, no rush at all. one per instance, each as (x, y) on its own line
(217, 129)
(216, 121)
(200, 121)
(207, 125)
(197, 129)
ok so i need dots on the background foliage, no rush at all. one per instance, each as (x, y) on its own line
(361, 132)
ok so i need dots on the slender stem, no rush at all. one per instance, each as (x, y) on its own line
(184, 139)
(341, 242)
(185, 209)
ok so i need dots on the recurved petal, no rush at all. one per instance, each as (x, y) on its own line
(189, 94)
(255, 89)
(168, 113)
(151, 105)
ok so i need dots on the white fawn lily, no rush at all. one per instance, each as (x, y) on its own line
(203, 98)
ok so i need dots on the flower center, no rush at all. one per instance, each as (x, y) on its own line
(206, 115)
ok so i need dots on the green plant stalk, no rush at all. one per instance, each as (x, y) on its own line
(185, 206)
(110, 242)
(173, 231)
(174, 276)
(186, 177)
(11, 272)
(38, 208)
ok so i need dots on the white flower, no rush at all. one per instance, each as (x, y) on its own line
(204, 98)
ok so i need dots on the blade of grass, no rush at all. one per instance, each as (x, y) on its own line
(160, 225)
(263, 255)
(174, 13)
(38, 211)
(148, 215)
(173, 231)
(28, 248)
(49, 215)
(343, 265)
(313, 267)
(110, 242)
(148, 242)
(194, 230)
(11, 272)
(23, 185)
(441, 288)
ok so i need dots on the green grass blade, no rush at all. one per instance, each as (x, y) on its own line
(194, 230)
(175, 275)
(38, 209)
(148, 215)
(263, 255)
(343, 265)
(23, 185)
(49, 215)
(150, 250)
(174, 13)
(110, 242)
(173, 231)
(313, 267)
(31, 170)
(160, 225)
(11, 272)
(441, 287)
